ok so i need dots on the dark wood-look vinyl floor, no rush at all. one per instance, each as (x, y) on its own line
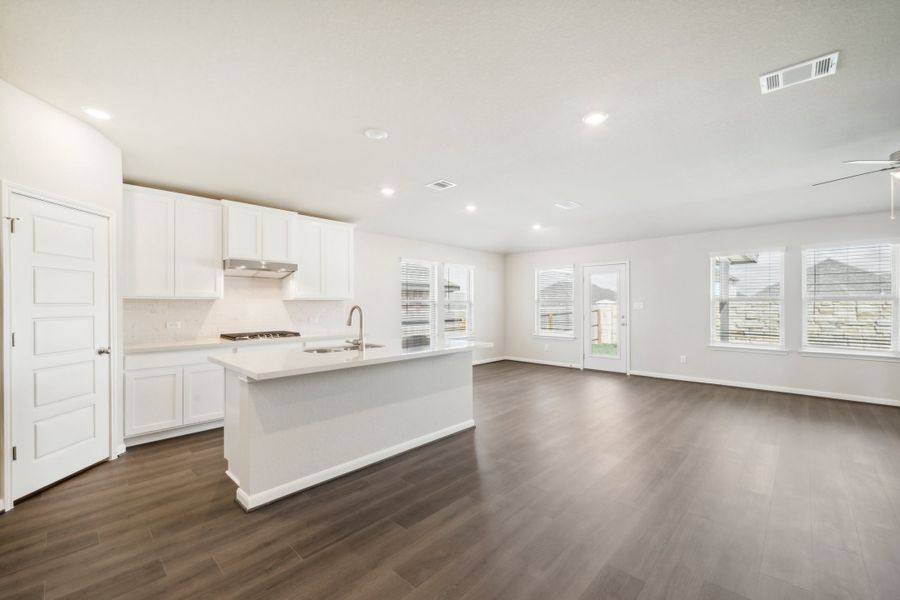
(575, 485)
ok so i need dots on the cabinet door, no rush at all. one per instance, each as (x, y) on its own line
(204, 393)
(277, 229)
(243, 230)
(198, 249)
(337, 266)
(153, 400)
(307, 281)
(149, 244)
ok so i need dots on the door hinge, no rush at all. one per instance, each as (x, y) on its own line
(14, 339)
(12, 223)
(14, 453)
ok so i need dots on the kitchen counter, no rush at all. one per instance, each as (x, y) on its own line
(217, 342)
(295, 419)
(275, 363)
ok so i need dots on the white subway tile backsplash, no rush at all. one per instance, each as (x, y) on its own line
(248, 305)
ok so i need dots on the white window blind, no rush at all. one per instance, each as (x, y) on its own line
(418, 302)
(747, 299)
(554, 300)
(458, 306)
(850, 298)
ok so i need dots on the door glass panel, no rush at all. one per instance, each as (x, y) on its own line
(605, 314)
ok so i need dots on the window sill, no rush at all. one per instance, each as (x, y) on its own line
(876, 356)
(780, 351)
(547, 336)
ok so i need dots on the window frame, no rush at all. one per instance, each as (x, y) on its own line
(837, 351)
(781, 347)
(470, 317)
(438, 329)
(536, 309)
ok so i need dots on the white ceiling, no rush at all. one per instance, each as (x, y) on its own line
(267, 101)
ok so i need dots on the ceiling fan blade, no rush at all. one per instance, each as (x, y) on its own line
(872, 162)
(857, 175)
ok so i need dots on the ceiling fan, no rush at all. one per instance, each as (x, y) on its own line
(891, 164)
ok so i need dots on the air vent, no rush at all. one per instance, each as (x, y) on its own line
(441, 184)
(800, 73)
(567, 205)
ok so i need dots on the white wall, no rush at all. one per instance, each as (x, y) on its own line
(255, 304)
(670, 276)
(47, 150)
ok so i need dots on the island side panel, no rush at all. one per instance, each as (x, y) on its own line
(300, 431)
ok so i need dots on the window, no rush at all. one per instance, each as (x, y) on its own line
(747, 300)
(554, 302)
(418, 305)
(850, 298)
(457, 300)
(422, 316)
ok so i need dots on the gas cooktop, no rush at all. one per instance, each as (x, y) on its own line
(258, 335)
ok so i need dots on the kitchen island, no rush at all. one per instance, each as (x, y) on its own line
(295, 418)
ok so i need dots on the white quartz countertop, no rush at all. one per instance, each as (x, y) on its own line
(273, 363)
(216, 342)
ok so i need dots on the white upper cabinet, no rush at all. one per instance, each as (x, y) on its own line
(243, 230)
(323, 251)
(277, 235)
(198, 249)
(258, 233)
(172, 245)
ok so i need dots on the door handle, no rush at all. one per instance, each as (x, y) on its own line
(102, 351)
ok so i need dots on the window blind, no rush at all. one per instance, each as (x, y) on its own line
(850, 297)
(418, 283)
(458, 307)
(747, 300)
(555, 302)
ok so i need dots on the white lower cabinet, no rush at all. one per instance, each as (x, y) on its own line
(153, 400)
(165, 391)
(204, 393)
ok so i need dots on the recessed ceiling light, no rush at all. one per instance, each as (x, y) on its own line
(376, 134)
(96, 113)
(471, 208)
(567, 205)
(595, 118)
(386, 191)
(536, 226)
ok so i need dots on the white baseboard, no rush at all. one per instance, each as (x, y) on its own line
(551, 363)
(485, 361)
(121, 449)
(2, 505)
(249, 502)
(771, 388)
(146, 438)
(232, 477)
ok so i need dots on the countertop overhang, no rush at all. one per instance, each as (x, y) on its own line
(274, 363)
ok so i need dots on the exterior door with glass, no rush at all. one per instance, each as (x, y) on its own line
(605, 321)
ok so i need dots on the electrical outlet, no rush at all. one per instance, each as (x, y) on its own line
(683, 358)
(173, 324)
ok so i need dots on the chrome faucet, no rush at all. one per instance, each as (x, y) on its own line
(360, 341)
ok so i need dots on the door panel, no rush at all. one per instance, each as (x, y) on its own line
(149, 246)
(338, 253)
(605, 334)
(276, 235)
(59, 311)
(243, 225)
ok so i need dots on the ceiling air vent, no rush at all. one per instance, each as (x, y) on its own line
(441, 184)
(567, 205)
(799, 73)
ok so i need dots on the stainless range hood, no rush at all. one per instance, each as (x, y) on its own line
(258, 268)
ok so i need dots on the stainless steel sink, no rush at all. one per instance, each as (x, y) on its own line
(330, 349)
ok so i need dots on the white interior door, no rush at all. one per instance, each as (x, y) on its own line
(59, 315)
(605, 319)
